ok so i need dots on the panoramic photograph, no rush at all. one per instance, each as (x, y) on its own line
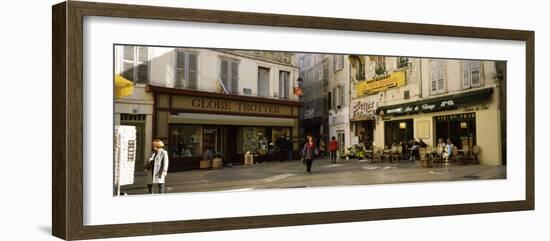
(200, 120)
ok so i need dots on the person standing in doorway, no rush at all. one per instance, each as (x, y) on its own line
(333, 148)
(157, 167)
(289, 147)
(309, 151)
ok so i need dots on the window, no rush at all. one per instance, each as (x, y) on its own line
(284, 84)
(471, 74)
(263, 82)
(402, 62)
(338, 62)
(379, 64)
(185, 140)
(186, 70)
(135, 64)
(438, 70)
(229, 74)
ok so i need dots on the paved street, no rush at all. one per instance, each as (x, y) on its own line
(291, 174)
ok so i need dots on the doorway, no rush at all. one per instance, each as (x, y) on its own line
(398, 130)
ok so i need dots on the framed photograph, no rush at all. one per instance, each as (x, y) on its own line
(172, 120)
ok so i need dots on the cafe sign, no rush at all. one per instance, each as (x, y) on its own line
(438, 104)
(363, 109)
(395, 79)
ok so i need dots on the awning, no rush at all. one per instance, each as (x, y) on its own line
(214, 119)
(123, 87)
(438, 104)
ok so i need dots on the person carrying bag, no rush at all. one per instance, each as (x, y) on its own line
(309, 152)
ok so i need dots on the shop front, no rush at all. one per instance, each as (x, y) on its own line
(363, 121)
(467, 119)
(195, 124)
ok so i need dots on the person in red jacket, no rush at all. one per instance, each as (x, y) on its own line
(333, 147)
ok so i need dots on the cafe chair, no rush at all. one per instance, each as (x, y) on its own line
(475, 154)
(423, 156)
(376, 154)
(397, 154)
(386, 155)
(456, 157)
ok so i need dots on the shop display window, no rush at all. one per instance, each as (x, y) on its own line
(185, 140)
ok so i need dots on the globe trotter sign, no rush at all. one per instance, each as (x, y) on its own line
(203, 104)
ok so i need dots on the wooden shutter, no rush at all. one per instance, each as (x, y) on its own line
(342, 95)
(466, 74)
(234, 77)
(143, 65)
(476, 73)
(180, 69)
(192, 71)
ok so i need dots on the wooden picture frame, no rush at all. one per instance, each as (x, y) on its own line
(67, 123)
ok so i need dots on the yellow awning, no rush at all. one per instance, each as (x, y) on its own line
(123, 87)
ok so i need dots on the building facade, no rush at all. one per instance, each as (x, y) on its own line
(339, 100)
(202, 101)
(314, 72)
(404, 98)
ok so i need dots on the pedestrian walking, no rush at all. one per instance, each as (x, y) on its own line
(333, 147)
(309, 152)
(157, 167)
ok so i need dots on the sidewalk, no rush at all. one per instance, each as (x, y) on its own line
(291, 174)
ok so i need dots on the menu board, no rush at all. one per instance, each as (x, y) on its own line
(125, 154)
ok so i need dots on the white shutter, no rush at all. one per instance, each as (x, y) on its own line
(224, 74)
(192, 71)
(128, 62)
(143, 65)
(263, 82)
(234, 77)
(434, 75)
(284, 84)
(180, 69)
(442, 73)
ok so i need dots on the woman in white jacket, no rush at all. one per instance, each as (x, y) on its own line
(157, 167)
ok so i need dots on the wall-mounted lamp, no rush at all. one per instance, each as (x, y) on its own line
(463, 125)
(402, 125)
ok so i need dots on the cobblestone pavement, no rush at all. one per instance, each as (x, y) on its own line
(291, 174)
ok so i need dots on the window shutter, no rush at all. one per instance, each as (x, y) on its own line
(128, 62)
(192, 68)
(180, 69)
(143, 65)
(284, 84)
(234, 77)
(476, 73)
(434, 75)
(342, 96)
(224, 74)
(466, 70)
(263, 82)
(334, 98)
(441, 79)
